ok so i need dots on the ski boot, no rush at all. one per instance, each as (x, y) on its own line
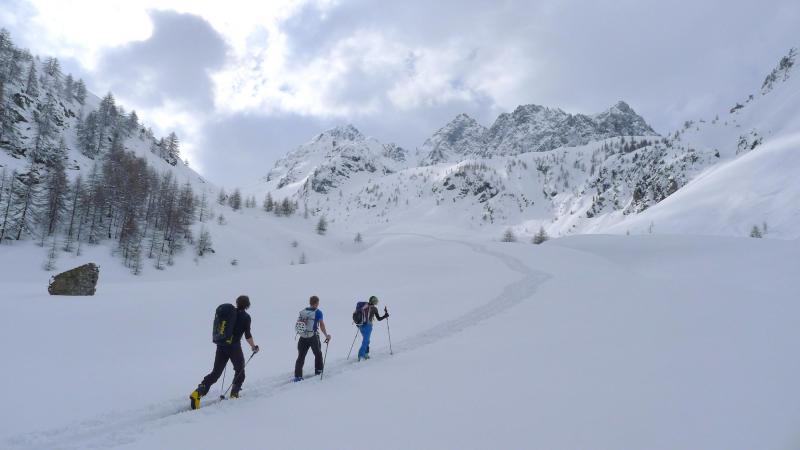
(194, 399)
(296, 379)
(235, 391)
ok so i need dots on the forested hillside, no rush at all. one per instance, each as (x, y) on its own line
(77, 170)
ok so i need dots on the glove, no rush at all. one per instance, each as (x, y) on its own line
(328, 338)
(386, 316)
(255, 349)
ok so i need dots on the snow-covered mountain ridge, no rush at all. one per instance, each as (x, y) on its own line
(534, 167)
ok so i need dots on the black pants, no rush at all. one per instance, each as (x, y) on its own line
(303, 344)
(225, 353)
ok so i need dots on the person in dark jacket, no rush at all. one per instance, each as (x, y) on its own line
(366, 327)
(232, 352)
(312, 324)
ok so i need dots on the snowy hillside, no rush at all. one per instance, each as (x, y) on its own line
(541, 167)
(77, 170)
(495, 345)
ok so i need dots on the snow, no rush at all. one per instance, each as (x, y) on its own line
(759, 187)
(583, 342)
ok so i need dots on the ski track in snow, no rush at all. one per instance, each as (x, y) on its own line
(122, 427)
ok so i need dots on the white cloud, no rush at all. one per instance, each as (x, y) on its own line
(84, 28)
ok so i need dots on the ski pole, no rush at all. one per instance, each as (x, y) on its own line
(223, 381)
(222, 397)
(324, 360)
(385, 311)
(354, 343)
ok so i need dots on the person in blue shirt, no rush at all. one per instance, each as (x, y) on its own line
(310, 323)
(366, 327)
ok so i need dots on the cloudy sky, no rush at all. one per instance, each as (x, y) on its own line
(242, 82)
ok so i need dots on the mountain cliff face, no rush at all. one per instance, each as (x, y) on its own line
(332, 158)
(529, 128)
(533, 128)
(462, 137)
(536, 166)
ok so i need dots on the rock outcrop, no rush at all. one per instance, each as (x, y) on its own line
(78, 281)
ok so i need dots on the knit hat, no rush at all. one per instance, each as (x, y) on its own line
(373, 300)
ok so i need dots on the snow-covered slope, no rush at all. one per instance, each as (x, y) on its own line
(760, 188)
(587, 342)
(16, 147)
(755, 182)
(77, 170)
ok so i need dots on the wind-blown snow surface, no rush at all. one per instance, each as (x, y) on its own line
(591, 342)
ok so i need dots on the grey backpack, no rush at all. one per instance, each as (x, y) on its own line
(305, 325)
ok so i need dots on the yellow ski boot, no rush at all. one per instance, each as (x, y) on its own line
(194, 398)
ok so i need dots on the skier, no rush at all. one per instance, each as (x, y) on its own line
(366, 327)
(308, 324)
(229, 350)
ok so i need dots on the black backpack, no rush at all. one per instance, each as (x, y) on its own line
(224, 321)
(361, 314)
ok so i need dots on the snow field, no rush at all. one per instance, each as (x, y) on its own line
(584, 342)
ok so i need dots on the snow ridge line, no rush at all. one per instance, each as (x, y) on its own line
(123, 427)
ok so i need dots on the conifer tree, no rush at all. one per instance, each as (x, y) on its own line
(80, 92)
(69, 87)
(32, 85)
(286, 208)
(268, 203)
(55, 195)
(322, 226)
(204, 243)
(172, 149)
(46, 130)
(76, 198)
(509, 236)
(9, 196)
(540, 237)
(25, 200)
(235, 200)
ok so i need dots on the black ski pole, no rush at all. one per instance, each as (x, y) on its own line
(351, 345)
(385, 311)
(223, 381)
(222, 397)
(324, 360)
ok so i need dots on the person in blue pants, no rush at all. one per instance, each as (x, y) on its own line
(366, 327)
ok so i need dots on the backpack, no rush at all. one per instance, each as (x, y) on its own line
(306, 325)
(224, 322)
(361, 314)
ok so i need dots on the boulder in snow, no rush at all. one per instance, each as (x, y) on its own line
(78, 281)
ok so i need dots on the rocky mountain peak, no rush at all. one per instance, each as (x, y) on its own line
(342, 133)
(462, 135)
(622, 120)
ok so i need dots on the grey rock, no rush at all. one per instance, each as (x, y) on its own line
(78, 281)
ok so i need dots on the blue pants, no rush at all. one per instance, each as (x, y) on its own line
(366, 331)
